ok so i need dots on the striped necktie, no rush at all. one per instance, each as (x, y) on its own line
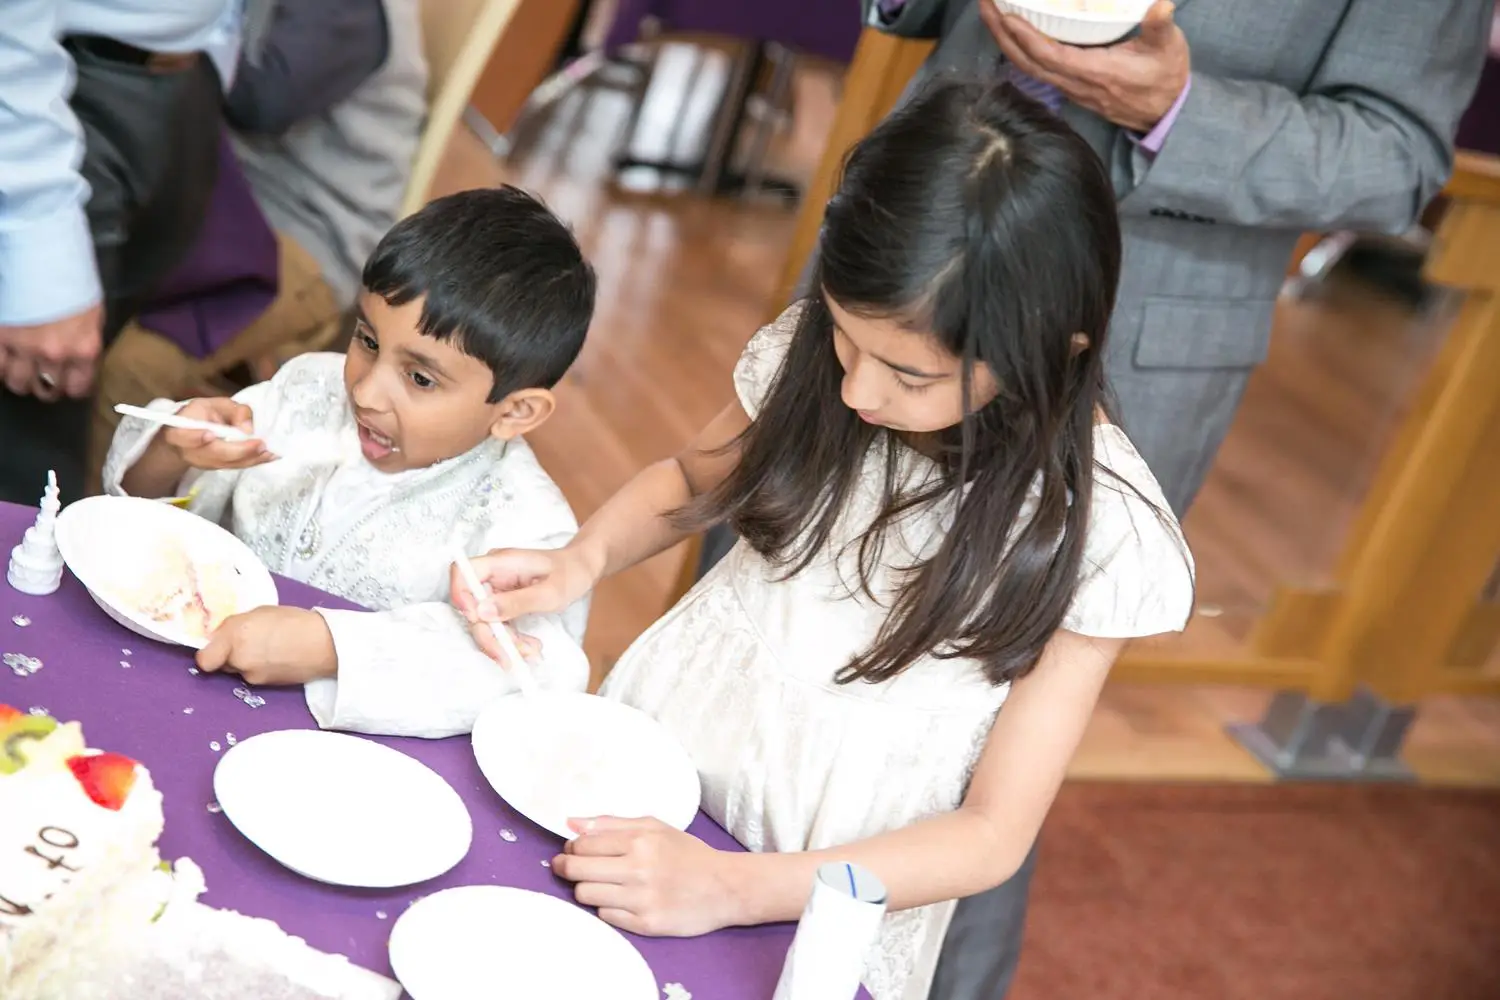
(1049, 96)
(887, 12)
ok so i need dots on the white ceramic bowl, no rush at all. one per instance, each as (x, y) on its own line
(1104, 27)
(104, 540)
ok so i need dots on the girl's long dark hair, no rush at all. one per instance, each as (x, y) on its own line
(975, 215)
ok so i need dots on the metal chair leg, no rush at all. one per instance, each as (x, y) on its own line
(1323, 258)
(781, 83)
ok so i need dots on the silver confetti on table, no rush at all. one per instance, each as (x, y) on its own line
(36, 710)
(125, 664)
(20, 621)
(214, 746)
(546, 864)
(676, 991)
(250, 698)
(193, 671)
(187, 711)
(231, 739)
(20, 664)
(509, 836)
(124, 652)
(381, 914)
(214, 808)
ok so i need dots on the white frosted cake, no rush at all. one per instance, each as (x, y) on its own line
(89, 912)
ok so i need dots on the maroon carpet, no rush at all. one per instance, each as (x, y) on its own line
(1289, 892)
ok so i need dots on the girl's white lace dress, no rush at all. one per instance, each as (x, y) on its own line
(742, 672)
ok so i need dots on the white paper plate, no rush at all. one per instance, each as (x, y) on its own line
(111, 542)
(343, 810)
(556, 757)
(493, 942)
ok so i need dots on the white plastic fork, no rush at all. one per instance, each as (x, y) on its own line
(183, 423)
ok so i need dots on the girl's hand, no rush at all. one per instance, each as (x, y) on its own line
(520, 582)
(205, 450)
(648, 878)
(272, 646)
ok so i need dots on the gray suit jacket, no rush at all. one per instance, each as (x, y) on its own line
(1303, 115)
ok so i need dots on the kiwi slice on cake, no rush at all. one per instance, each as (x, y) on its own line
(18, 729)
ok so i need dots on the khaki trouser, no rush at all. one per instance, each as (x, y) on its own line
(142, 365)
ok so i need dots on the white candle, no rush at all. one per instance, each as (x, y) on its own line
(834, 936)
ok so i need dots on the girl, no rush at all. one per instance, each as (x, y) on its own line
(937, 518)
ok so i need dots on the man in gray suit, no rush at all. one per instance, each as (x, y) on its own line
(1229, 129)
(1282, 117)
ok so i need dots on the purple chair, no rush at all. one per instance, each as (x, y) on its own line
(827, 28)
(1480, 129)
(774, 30)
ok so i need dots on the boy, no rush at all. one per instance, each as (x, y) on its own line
(366, 470)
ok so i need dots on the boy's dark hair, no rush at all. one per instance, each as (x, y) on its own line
(504, 281)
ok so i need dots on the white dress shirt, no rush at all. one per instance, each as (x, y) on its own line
(47, 268)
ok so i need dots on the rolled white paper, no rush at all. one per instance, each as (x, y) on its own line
(834, 937)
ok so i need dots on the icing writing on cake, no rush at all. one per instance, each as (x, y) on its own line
(57, 839)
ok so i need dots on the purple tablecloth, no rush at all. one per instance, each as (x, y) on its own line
(139, 711)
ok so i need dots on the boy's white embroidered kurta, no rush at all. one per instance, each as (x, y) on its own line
(323, 516)
(742, 672)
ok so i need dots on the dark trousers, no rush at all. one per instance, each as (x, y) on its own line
(150, 157)
(983, 946)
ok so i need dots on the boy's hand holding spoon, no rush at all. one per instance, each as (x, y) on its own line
(211, 449)
(209, 433)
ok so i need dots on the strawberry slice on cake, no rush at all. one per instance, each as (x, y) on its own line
(106, 778)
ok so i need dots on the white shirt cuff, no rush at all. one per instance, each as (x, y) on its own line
(47, 269)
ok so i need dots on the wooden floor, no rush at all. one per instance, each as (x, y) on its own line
(684, 281)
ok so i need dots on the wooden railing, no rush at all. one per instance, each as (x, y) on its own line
(881, 68)
(1406, 612)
